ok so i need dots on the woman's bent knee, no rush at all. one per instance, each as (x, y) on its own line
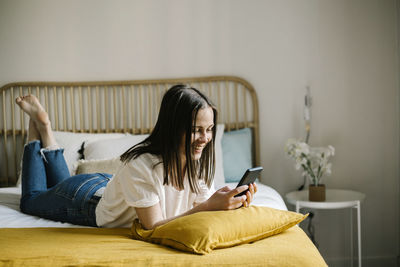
(23, 205)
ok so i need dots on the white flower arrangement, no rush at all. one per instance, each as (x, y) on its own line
(313, 160)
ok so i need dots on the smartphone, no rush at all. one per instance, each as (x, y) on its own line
(249, 177)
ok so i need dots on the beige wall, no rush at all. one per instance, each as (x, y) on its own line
(345, 50)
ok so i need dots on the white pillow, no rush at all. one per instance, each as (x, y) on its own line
(72, 143)
(110, 148)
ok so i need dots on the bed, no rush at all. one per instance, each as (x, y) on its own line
(95, 122)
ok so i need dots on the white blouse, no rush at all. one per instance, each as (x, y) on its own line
(139, 183)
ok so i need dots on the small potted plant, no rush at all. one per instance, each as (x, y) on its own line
(314, 162)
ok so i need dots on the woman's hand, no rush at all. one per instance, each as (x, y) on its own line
(224, 198)
(250, 194)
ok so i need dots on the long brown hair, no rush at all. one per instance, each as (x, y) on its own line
(176, 120)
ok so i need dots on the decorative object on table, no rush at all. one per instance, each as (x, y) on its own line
(314, 162)
(316, 192)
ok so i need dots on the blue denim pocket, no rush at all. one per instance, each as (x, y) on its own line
(80, 186)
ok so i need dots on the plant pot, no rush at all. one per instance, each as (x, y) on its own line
(316, 192)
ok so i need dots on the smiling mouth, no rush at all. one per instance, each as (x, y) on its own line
(198, 149)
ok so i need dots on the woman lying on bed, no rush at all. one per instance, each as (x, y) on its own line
(166, 176)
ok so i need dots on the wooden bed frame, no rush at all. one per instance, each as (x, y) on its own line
(115, 106)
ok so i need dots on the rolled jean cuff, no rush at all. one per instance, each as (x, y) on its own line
(31, 143)
(49, 148)
(45, 150)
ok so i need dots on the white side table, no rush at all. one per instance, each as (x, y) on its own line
(335, 199)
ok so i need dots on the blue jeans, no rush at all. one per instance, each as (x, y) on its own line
(48, 190)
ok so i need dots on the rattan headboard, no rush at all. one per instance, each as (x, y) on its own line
(115, 106)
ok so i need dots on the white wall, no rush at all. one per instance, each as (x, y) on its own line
(346, 50)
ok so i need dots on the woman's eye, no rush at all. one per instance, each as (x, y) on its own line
(199, 130)
(196, 130)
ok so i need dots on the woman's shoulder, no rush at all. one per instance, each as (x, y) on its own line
(143, 167)
(146, 160)
(147, 157)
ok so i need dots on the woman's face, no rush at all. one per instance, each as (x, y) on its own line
(202, 133)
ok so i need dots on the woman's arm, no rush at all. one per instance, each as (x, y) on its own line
(222, 199)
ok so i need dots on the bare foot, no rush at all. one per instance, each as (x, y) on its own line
(31, 105)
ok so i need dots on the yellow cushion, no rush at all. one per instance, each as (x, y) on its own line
(102, 165)
(204, 231)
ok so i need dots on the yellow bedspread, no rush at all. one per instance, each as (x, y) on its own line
(114, 247)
